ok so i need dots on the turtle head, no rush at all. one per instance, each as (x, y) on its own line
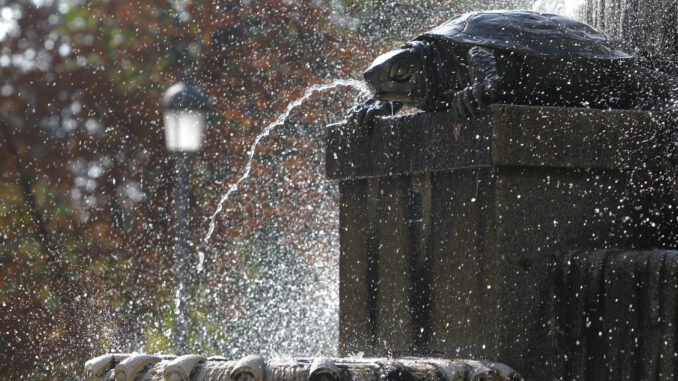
(401, 75)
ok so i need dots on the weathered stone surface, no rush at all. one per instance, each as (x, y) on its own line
(615, 314)
(464, 224)
(196, 368)
(504, 136)
(182, 367)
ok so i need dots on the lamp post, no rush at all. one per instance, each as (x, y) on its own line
(185, 109)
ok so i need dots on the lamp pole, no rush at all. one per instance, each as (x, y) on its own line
(185, 109)
(180, 252)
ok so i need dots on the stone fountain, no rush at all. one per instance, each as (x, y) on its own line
(537, 237)
(120, 367)
(523, 238)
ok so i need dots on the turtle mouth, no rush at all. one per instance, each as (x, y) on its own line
(373, 90)
(408, 98)
(391, 95)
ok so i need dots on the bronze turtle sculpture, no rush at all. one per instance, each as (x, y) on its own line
(510, 57)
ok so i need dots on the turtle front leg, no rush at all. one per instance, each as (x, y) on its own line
(485, 82)
(362, 116)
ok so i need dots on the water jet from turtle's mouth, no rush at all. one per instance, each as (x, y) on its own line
(363, 87)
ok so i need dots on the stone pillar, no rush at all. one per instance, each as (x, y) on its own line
(450, 234)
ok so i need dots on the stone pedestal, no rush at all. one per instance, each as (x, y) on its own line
(450, 233)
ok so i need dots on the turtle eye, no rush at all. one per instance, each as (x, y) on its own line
(401, 72)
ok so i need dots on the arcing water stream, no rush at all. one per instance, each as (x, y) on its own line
(364, 91)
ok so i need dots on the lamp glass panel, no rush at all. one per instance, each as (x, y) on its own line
(183, 130)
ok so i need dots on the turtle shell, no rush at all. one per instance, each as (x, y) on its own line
(530, 33)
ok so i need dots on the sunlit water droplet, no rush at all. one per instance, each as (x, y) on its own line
(201, 260)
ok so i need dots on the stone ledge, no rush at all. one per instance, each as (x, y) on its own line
(128, 367)
(505, 135)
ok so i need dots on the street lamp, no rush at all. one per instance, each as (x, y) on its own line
(185, 109)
